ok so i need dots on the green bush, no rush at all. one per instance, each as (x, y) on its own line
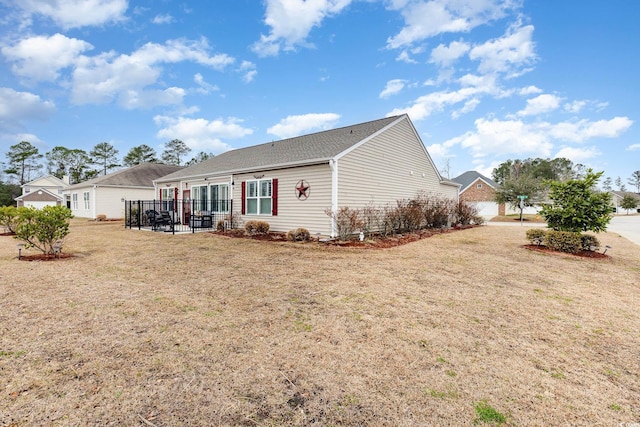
(43, 229)
(589, 242)
(564, 241)
(9, 216)
(536, 236)
(299, 235)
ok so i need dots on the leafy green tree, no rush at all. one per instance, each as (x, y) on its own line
(200, 157)
(105, 155)
(8, 193)
(628, 202)
(23, 159)
(635, 180)
(9, 217)
(140, 154)
(607, 184)
(43, 229)
(174, 151)
(58, 161)
(79, 166)
(577, 206)
(523, 185)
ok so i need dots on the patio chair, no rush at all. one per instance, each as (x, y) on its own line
(167, 219)
(156, 219)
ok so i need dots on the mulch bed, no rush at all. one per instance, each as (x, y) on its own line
(45, 257)
(371, 242)
(581, 254)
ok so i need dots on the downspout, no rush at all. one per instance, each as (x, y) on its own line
(94, 199)
(333, 165)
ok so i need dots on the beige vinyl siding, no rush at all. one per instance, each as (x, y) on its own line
(391, 166)
(294, 213)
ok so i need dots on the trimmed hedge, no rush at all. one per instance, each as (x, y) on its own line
(564, 241)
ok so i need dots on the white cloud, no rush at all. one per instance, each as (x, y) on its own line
(494, 137)
(107, 77)
(529, 90)
(41, 58)
(540, 104)
(248, 70)
(425, 19)
(162, 19)
(76, 13)
(302, 124)
(578, 155)
(506, 54)
(445, 56)
(468, 107)
(21, 106)
(575, 106)
(204, 87)
(291, 21)
(393, 87)
(201, 134)
(404, 57)
(633, 147)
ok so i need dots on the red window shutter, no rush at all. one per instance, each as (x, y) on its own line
(274, 197)
(243, 196)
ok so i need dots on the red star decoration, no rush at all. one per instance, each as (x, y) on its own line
(302, 190)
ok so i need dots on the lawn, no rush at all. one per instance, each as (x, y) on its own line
(463, 328)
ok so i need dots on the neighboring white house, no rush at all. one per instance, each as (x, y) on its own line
(44, 191)
(616, 200)
(105, 195)
(294, 182)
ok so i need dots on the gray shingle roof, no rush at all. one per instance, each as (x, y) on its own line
(320, 146)
(469, 177)
(141, 175)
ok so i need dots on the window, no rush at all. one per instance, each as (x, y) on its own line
(219, 197)
(74, 201)
(479, 186)
(260, 197)
(166, 195)
(87, 203)
(199, 197)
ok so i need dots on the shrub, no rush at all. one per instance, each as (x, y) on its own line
(254, 226)
(536, 236)
(589, 242)
(9, 216)
(347, 221)
(220, 225)
(299, 235)
(43, 229)
(467, 213)
(564, 241)
(101, 217)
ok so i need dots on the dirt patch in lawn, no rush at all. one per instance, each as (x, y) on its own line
(580, 254)
(45, 257)
(141, 328)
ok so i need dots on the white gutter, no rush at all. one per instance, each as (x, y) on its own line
(333, 164)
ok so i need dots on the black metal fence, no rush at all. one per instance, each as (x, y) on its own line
(179, 216)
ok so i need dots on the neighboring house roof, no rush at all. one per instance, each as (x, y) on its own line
(317, 147)
(46, 181)
(621, 194)
(469, 177)
(40, 194)
(141, 175)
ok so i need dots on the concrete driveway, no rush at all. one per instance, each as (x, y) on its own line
(628, 226)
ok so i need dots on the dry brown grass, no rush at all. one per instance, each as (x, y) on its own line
(142, 328)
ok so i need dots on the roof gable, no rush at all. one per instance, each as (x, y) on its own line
(141, 175)
(40, 193)
(469, 177)
(46, 181)
(300, 150)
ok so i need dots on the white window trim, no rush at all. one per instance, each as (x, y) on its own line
(258, 197)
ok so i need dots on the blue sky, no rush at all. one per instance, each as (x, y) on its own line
(482, 80)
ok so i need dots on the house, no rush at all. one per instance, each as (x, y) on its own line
(105, 194)
(477, 188)
(304, 181)
(616, 200)
(44, 191)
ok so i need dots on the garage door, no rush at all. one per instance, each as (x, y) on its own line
(487, 209)
(39, 205)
